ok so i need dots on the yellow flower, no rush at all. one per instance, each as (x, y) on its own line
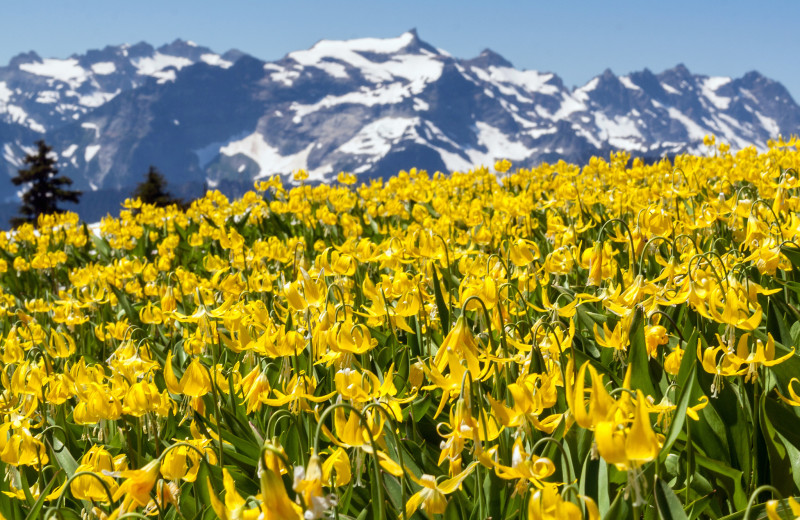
(547, 504)
(151, 315)
(138, 484)
(100, 462)
(346, 178)
(654, 336)
(183, 462)
(642, 444)
(502, 166)
(763, 355)
(20, 447)
(459, 344)
(340, 463)
(595, 276)
(432, 497)
(235, 508)
(793, 399)
(772, 509)
(195, 381)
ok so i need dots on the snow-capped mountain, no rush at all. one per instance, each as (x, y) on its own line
(369, 106)
(45, 93)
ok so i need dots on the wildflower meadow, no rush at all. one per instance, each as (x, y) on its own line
(614, 340)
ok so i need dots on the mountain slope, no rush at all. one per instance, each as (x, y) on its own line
(370, 106)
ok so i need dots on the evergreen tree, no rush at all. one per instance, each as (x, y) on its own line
(153, 190)
(45, 189)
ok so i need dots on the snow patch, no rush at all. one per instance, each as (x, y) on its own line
(669, 89)
(268, 158)
(104, 68)
(709, 87)
(216, 60)
(539, 132)
(625, 80)
(68, 71)
(582, 92)
(498, 146)
(90, 152)
(620, 132)
(530, 81)
(749, 95)
(18, 115)
(569, 105)
(165, 76)
(337, 70)
(694, 130)
(285, 76)
(337, 48)
(210, 151)
(69, 151)
(155, 66)
(769, 124)
(47, 97)
(5, 93)
(91, 126)
(390, 94)
(8, 155)
(97, 98)
(413, 67)
(377, 137)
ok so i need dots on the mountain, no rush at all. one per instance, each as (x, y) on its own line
(369, 106)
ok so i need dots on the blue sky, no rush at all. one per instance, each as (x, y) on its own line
(575, 39)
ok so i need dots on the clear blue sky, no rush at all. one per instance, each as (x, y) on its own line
(575, 39)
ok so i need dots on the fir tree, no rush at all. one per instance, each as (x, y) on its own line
(45, 188)
(153, 190)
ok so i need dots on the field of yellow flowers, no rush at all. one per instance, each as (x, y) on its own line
(612, 341)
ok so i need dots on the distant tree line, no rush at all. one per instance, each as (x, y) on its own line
(44, 189)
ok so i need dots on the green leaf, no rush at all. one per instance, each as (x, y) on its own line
(37, 506)
(452, 512)
(26, 489)
(603, 501)
(679, 418)
(688, 361)
(792, 253)
(784, 457)
(620, 508)
(728, 477)
(668, 505)
(441, 306)
(759, 511)
(204, 487)
(699, 506)
(64, 457)
(102, 247)
(637, 357)
(126, 305)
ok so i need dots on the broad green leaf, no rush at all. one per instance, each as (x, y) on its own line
(638, 359)
(668, 505)
(64, 457)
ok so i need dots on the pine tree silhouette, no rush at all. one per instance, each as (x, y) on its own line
(45, 190)
(153, 190)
